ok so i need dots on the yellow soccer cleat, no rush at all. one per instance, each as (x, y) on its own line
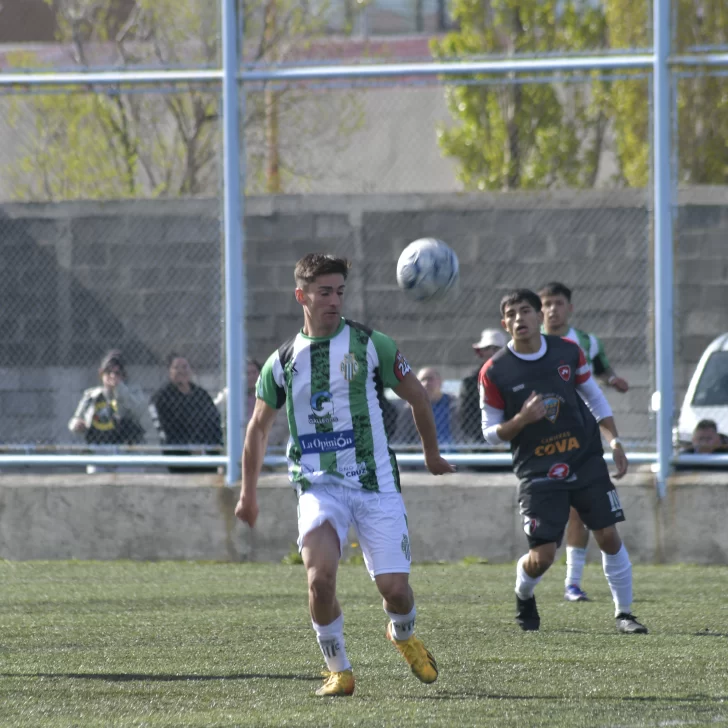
(337, 683)
(419, 659)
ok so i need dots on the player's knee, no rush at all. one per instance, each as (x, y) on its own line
(541, 561)
(608, 540)
(322, 584)
(394, 588)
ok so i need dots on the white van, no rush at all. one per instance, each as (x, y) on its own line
(707, 394)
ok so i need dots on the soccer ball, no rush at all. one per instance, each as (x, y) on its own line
(427, 269)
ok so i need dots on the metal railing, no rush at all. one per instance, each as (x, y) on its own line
(657, 63)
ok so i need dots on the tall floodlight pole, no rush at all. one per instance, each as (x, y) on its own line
(233, 219)
(663, 241)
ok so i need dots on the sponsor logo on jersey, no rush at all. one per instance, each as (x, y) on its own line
(323, 409)
(406, 547)
(558, 471)
(518, 387)
(564, 444)
(401, 367)
(259, 388)
(355, 471)
(349, 367)
(530, 525)
(565, 372)
(552, 403)
(327, 441)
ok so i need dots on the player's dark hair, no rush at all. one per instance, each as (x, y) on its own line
(556, 289)
(707, 425)
(313, 265)
(174, 355)
(113, 358)
(520, 294)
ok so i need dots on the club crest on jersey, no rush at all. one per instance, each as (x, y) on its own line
(559, 471)
(349, 367)
(565, 372)
(552, 405)
(406, 547)
(530, 525)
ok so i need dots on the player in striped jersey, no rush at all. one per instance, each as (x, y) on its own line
(330, 377)
(538, 394)
(557, 310)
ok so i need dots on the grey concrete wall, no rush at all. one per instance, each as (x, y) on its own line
(161, 517)
(80, 278)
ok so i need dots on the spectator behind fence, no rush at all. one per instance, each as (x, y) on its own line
(184, 414)
(278, 435)
(491, 341)
(110, 414)
(707, 440)
(444, 409)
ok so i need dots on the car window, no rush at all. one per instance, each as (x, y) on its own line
(712, 388)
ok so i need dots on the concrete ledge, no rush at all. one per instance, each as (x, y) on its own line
(152, 517)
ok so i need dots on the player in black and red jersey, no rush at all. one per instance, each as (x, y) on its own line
(538, 394)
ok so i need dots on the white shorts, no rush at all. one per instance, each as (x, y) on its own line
(379, 519)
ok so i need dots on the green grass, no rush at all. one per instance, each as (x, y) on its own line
(200, 644)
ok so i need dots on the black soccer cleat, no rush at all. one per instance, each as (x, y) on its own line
(627, 624)
(527, 615)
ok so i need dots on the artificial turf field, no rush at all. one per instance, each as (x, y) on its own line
(208, 644)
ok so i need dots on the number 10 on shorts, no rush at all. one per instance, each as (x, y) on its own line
(614, 500)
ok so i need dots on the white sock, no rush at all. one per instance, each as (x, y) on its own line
(331, 641)
(575, 561)
(618, 570)
(525, 584)
(403, 625)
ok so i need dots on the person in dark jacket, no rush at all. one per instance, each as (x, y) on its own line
(491, 341)
(184, 414)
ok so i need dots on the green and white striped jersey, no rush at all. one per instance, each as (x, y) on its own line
(592, 346)
(331, 388)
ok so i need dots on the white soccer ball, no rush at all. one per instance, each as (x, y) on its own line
(427, 269)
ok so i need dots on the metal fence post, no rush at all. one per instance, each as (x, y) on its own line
(661, 156)
(233, 217)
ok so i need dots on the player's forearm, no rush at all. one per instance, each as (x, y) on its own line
(256, 443)
(511, 428)
(608, 428)
(425, 424)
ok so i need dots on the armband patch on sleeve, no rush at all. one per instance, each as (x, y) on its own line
(401, 366)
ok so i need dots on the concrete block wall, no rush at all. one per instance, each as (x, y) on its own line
(153, 517)
(78, 279)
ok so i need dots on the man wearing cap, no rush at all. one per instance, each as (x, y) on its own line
(491, 340)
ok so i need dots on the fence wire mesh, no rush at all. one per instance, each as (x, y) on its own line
(701, 235)
(579, 223)
(111, 330)
(110, 235)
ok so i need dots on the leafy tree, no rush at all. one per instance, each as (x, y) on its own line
(139, 142)
(702, 101)
(510, 134)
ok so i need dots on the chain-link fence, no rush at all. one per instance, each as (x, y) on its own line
(111, 237)
(111, 318)
(588, 234)
(701, 247)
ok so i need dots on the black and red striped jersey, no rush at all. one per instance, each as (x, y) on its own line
(556, 445)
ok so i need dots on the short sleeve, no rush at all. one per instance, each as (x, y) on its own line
(269, 386)
(490, 395)
(393, 367)
(599, 358)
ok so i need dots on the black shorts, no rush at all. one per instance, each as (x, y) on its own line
(544, 503)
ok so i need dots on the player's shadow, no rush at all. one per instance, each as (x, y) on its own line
(143, 677)
(470, 694)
